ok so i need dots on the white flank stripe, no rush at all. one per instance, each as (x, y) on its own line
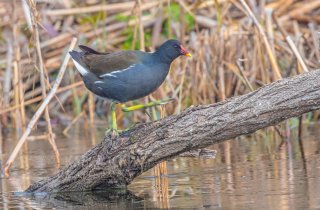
(109, 75)
(113, 74)
(80, 68)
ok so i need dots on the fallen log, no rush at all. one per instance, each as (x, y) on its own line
(116, 162)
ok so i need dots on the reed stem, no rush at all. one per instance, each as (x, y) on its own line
(40, 110)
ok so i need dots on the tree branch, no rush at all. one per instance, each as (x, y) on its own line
(116, 162)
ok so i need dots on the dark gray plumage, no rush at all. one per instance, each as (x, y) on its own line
(126, 75)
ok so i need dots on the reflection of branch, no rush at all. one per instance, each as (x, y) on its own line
(116, 162)
(40, 109)
(112, 198)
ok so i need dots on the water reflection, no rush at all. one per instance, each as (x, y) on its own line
(109, 199)
(248, 173)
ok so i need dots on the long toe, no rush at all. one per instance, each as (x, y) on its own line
(165, 101)
(107, 132)
(115, 133)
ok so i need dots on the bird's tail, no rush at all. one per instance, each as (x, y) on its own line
(76, 58)
(75, 55)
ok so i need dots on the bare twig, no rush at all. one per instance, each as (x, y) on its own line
(91, 106)
(315, 40)
(27, 13)
(39, 98)
(18, 92)
(42, 107)
(34, 16)
(141, 31)
(243, 75)
(7, 80)
(97, 8)
(272, 58)
(65, 131)
(297, 54)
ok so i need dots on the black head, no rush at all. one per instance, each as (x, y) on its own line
(172, 49)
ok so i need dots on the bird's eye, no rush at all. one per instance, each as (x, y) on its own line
(176, 46)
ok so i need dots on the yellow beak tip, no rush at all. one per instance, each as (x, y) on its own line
(188, 54)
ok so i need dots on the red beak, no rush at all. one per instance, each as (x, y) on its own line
(184, 51)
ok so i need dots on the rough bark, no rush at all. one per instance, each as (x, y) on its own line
(116, 162)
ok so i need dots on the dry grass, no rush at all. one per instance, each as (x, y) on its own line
(219, 34)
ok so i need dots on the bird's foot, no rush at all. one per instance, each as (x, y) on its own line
(144, 106)
(131, 126)
(113, 132)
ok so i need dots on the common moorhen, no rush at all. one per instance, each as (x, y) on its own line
(126, 75)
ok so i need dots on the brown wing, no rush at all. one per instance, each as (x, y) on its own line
(100, 64)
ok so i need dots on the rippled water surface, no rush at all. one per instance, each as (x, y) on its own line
(248, 173)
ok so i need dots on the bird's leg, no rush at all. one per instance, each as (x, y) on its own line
(147, 105)
(114, 119)
(114, 127)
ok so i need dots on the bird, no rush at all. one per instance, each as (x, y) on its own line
(126, 75)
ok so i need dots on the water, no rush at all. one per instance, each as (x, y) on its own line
(248, 173)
